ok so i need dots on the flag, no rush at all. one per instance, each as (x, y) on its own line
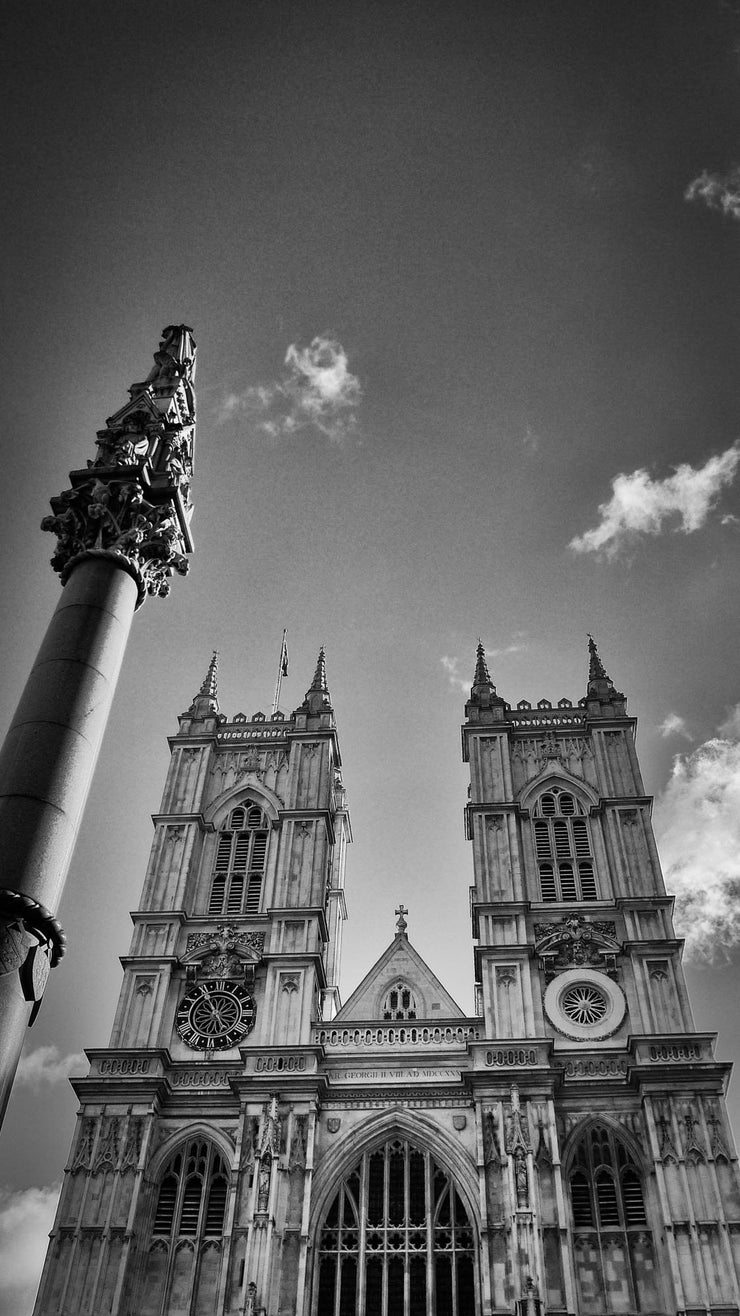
(284, 659)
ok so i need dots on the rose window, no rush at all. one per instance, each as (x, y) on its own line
(584, 1004)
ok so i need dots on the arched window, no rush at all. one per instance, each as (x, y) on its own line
(186, 1238)
(241, 856)
(396, 1240)
(613, 1246)
(563, 848)
(400, 1002)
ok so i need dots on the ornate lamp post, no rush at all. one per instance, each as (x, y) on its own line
(122, 529)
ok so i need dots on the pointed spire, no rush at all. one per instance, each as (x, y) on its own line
(205, 703)
(601, 697)
(318, 699)
(484, 704)
(209, 686)
(319, 677)
(482, 675)
(595, 666)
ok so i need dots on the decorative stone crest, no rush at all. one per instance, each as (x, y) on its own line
(575, 941)
(31, 944)
(132, 504)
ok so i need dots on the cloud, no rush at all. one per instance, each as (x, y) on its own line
(26, 1217)
(717, 192)
(640, 505)
(46, 1065)
(318, 390)
(452, 665)
(697, 825)
(674, 725)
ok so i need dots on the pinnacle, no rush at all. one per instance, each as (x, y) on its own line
(209, 686)
(596, 670)
(482, 675)
(319, 676)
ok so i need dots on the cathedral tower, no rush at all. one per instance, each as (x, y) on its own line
(622, 1187)
(250, 1144)
(172, 1195)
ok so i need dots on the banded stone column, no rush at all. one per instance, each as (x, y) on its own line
(122, 529)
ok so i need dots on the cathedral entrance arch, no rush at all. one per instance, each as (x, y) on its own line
(396, 1238)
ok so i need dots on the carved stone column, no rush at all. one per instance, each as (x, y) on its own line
(122, 529)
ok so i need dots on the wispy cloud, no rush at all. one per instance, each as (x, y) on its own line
(26, 1217)
(640, 505)
(697, 824)
(674, 725)
(46, 1065)
(317, 390)
(454, 666)
(717, 191)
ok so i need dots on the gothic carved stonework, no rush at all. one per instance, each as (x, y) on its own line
(227, 937)
(693, 1150)
(106, 1156)
(132, 1146)
(518, 1147)
(576, 941)
(82, 1159)
(132, 504)
(298, 1143)
(716, 1141)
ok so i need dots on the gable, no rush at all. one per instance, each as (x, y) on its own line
(400, 969)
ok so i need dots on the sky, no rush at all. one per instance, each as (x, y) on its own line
(463, 278)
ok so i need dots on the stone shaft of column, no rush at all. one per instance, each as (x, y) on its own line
(49, 754)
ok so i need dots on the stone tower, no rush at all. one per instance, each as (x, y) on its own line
(602, 1105)
(249, 1144)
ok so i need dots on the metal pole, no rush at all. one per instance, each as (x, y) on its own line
(282, 671)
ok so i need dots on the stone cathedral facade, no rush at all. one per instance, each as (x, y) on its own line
(249, 1144)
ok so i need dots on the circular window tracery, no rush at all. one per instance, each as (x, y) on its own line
(585, 1005)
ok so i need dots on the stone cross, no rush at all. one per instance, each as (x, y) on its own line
(401, 924)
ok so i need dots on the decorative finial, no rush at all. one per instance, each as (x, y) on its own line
(596, 669)
(482, 674)
(401, 922)
(132, 504)
(319, 676)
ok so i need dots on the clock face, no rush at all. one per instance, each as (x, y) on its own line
(215, 1015)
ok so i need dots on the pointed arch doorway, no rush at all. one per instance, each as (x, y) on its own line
(396, 1239)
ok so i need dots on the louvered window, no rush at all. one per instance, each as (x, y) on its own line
(396, 1240)
(191, 1175)
(241, 856)
(563, 849)
(613, 1250)
(180, 1269)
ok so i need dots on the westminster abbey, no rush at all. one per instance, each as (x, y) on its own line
(248, 1143)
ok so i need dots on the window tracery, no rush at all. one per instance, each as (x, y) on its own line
(396, 1240)
(239, 868)
(400, 1002)
(563, 848)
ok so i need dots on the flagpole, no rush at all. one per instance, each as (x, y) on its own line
(281, 671)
